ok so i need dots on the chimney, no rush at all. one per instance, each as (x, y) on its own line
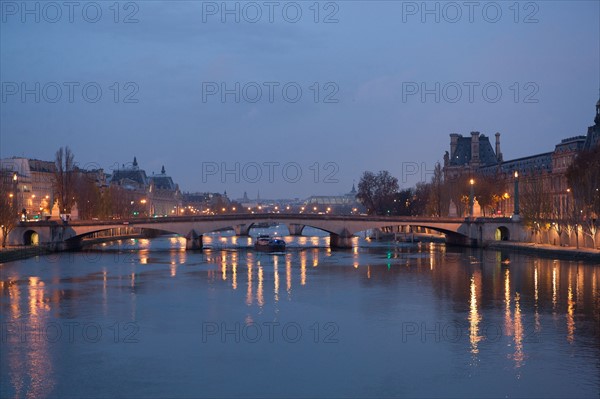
(475, 147)
(498, 152)
(453, 143)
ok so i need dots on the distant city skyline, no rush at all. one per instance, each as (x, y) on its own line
(382, 85)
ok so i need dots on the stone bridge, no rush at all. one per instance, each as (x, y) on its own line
(461, 231)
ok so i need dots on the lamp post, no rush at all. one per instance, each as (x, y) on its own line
(15, 199)
(567, 210)
(471, 198)
(516, 211)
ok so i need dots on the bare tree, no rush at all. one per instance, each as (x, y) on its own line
(584, 180)
(421, 200)
(122, 202)
(8, 205)
(489, 190)
(87, 194)
(376, 192)
(436, 194)
(367, 186)
(536, 208)
(64, 178)
(457, 190)
(387, 187)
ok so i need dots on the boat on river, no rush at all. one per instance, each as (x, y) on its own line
(267, 243)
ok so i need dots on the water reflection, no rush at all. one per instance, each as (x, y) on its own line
(234, 271)
(519, 355)
(368, 290)
(508, 324)
(260, 300)
(474, 317)
(570, 312)
(250, 261)
(26, 337)
(276, 278)
(288, 274)
(536, 298)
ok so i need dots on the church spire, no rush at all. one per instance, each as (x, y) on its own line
(162, 171)
(135, 164)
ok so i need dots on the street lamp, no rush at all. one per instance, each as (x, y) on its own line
(15, 199)
(567, 209)
(471, 197)
(506, 196)
(143, 202)
(516, 211)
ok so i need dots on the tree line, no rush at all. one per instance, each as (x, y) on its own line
(381, 195)
(571, 210)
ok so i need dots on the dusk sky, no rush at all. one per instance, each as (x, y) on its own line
(360, 65)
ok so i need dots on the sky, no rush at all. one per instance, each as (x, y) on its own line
(291, 99)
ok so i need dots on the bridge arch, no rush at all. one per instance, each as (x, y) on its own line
(142, 230)
(242, 227)
(31, 237)
(502, 233)
(422, 225)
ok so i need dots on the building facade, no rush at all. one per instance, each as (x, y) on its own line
(155, 195)
(334, 204)
(34, 184)
(474, 156)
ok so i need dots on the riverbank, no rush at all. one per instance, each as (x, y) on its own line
(569, 253)
(10, 254)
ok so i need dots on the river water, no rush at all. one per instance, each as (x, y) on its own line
(145, 318)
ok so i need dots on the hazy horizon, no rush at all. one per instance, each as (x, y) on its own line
(382, 85)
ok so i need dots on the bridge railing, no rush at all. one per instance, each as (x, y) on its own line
(270, 217)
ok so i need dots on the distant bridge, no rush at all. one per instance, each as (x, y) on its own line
(462, 231)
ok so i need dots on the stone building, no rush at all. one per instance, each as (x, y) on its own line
(474, 156)
(334, 204)
(469, 154)
(164, 197)
(35, 184)
(155, 195)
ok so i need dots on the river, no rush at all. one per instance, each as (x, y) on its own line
(145, 318)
